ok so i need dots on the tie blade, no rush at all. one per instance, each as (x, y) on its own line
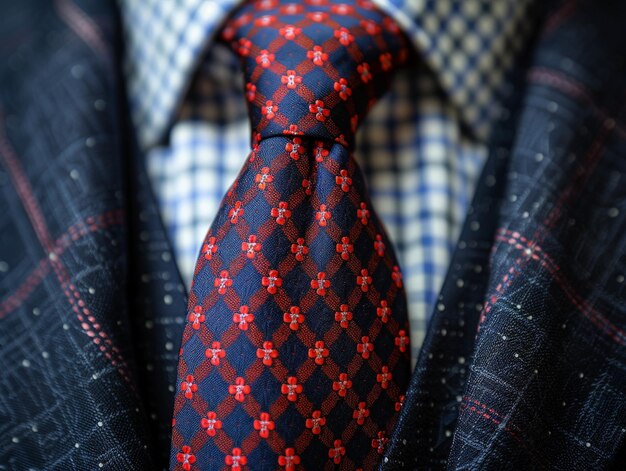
(296, 347)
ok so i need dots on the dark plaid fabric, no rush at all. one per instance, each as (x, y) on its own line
(90, 299)
(524, 365)
(295, 353)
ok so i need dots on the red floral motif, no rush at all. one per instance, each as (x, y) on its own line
(242, 20)
(386, 61)
(321, 113)
(289, 32)
(267, 353)
(402, 340)
(318, 353)
(344, 90)
(256, 139)
(371, 27)
(344, 180)
(264, 425)
(345, 248)
(361, 413)
(321, 284)
(264, 178)
(365, 347)
(209, 248)
(251, 247)
(215, 353)
(343, 316)
(364, 280)
(228, 32)
(364, 71)
(243, 48)
(342, 9)
(354, 122)
(211, 423)
(336, 452)
(384, 377)
(380, 442)
(363, 213)
(322, 215)
(293, 130)
(185, 457)
(293, 317)
(291, 388)
(235, 212)
(342, 140)
(342, 384)
(196, 317)
(317, 16)
(266, 4)
(396, 276)
(239, 389)
(265, 58)
(265, 20)
(236, 460)
(299, 249)
(320, 152)
(317, 55)
(315, 422)
(272, 281)
(384, 311)
(344, 36)
(379, 245)
(282, 213)
(289, 460)
(250, 92)
(243, 317)
(189, 386)
(291, 79)
(399, 403)
(270, 109)
(295, 148)
(391, 25)
(306, 184)
(291, 9)
(223, 282)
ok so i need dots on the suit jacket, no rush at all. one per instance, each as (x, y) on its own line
(91, 303)
(523, 365)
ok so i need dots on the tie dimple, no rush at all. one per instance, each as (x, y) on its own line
(296, 350)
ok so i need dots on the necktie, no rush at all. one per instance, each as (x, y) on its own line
(296, 349)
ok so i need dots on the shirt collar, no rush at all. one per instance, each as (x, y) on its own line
(164, 43)
(469, 44)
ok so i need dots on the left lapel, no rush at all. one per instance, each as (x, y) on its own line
(158, 301)
(70, 399)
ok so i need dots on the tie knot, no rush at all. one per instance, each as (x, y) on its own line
(314, 68)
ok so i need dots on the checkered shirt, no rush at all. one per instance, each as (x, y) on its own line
(421, 147)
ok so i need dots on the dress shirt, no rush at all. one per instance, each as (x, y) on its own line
(422, 147)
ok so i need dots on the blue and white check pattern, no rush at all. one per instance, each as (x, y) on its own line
(471, 44)
(420, 161)
(164, 42)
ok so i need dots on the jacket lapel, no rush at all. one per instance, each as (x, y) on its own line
(524, 360)
(91, 303)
